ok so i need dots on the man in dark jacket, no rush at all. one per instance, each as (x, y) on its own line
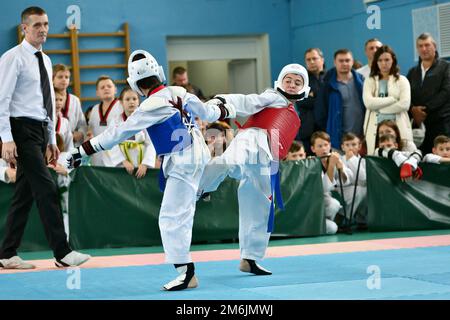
(339, 106)
(180, 78)
(430, 92)
(305, 108)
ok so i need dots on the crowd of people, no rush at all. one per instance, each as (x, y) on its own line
(374, 110)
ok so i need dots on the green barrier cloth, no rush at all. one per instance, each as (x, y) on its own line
(412, 205)
(109, 208)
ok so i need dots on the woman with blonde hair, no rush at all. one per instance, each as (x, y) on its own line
(387, 96)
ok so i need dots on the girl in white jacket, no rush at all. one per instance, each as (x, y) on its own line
(387, 96)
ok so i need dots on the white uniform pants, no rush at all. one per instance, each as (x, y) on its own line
(332, 207)
(246, 160)
(176, 218)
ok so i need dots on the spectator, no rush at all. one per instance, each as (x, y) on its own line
(64, 141)
(63, 126)
(202, 125)
(356, 203)
(387, 96)
(63, 180)
(296, 152)
(103, 115)
(407, 161)
(339, 108)
(441, 151)
(71, 104)
(137, 152)
(315, 64)
(87, 116)
(180, 78)
(218, 137)
(356, 65)
(370, 48)
(430, 92)
(332, 167)
(390, 127)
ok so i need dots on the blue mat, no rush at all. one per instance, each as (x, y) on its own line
(422, 273)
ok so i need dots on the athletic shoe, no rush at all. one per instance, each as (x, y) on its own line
(15, 263)
(72, 259)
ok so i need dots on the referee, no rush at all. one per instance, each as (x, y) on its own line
(27, 131)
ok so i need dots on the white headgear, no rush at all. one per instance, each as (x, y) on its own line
(295, 69)
(143, 68)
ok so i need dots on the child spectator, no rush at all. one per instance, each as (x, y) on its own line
(71, 110)
(407, 161)
(87, 116)
(351, 145)
(64, 141)
(296, 151)
(63, 178)
(441, 151)
(334, 170)
(390, 127)
(218, 135)
(138, 150)
(103, 115)
(202, 125)
(62, 124)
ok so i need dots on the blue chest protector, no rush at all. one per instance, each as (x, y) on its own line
(171, 136)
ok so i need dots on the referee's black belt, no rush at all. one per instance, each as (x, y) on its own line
(31, 121)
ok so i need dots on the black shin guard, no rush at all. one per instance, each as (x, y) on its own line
(256, 269)
(186, 271)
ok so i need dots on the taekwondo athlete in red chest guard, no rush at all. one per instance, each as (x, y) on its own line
(253, 156)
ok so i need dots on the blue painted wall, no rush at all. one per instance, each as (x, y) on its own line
(151, 21)
(335, 24)
(292, 25)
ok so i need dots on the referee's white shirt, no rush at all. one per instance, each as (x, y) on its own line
(20, 89)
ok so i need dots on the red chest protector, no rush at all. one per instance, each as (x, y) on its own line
(282, 125)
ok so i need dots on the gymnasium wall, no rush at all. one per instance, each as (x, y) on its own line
(292, 25)
(151, 21)
(331, 25)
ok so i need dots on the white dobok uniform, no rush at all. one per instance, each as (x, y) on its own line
(332, 206)
(102, 159)
(63, 128)
(248, 159)
(134, 147)
(183, 169)
(360, 201)
(74, 113)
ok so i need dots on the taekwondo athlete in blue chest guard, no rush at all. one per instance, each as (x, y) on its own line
(166, 115)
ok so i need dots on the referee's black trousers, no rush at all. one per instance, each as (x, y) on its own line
(33, 182)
